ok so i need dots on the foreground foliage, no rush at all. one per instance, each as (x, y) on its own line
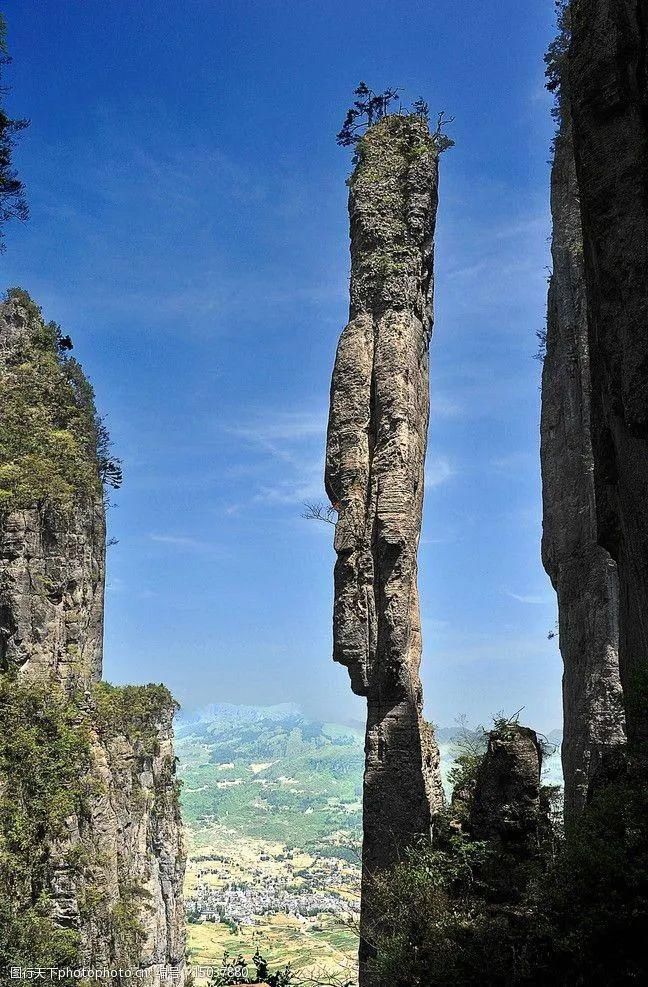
(44, 758)
(48, 746)
(459, 914)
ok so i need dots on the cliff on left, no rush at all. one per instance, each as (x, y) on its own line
(91, 852)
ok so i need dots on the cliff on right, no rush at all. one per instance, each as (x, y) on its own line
(582, 570)
(607, 81)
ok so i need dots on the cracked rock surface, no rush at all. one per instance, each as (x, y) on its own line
(608, 89)
(375, 458)
(583, 573)
(115, 875)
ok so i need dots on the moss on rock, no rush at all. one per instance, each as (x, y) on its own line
(53, 446)
(44, 762)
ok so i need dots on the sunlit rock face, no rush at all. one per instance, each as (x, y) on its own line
(114, 876)
(52, 554)
(609, 100)
(582, 572)
(375, 460)
(131, 835)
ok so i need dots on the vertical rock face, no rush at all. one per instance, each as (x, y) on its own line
(582, 572)
(131, 834)
(375, 459)
(113, 868)
(60, 630)
(608, 85)
(506, 807)
(51, 557)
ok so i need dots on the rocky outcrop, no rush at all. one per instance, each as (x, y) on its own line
(608, 86)
(126, 902)
(506, 809)
(582, 572)
(59, 628)
(375, 457)
(112, 870)
(52, 554)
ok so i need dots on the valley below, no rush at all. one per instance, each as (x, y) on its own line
(272, 809)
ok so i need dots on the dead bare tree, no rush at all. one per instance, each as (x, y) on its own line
(317, 511)
(441, 140)
(323, 978)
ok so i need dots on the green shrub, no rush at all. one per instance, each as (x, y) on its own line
(54, 448)
(44, 756)
(579, 919)
(133, 710)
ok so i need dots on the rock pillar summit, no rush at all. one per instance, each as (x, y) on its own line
(375, 460)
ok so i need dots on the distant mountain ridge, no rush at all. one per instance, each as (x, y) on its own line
(222, 715)
(271, 772)
(233, 713)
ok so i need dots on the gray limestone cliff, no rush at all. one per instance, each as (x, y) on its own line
(126, 902)
(58, 629)
(375, 457)
(608, 87)
(53, 527)
(582, 571)
(103, 868)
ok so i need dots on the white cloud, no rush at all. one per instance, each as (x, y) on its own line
(444, 406)
(282, 426)
(292, 469)
(532, 598)
(438, 471)
(179, 541)
(516, 464)
(306, 484)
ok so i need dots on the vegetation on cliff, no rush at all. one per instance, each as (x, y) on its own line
(370, 107)
(572, 912)
(82, 765)
(48, 751)
(44, 762)
(556, 57)
(134, 711)
(54, 447)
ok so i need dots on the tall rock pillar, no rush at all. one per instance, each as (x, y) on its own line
(375, 460)
(608, 86)
(582, 571)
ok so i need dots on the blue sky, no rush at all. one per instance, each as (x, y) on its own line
(189, 229)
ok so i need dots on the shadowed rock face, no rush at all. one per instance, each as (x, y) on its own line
(609, 99)
(506, 808)
(582, 572)
(375, 459)
(52, 565)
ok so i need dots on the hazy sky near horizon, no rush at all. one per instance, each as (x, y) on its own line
(189, 230)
